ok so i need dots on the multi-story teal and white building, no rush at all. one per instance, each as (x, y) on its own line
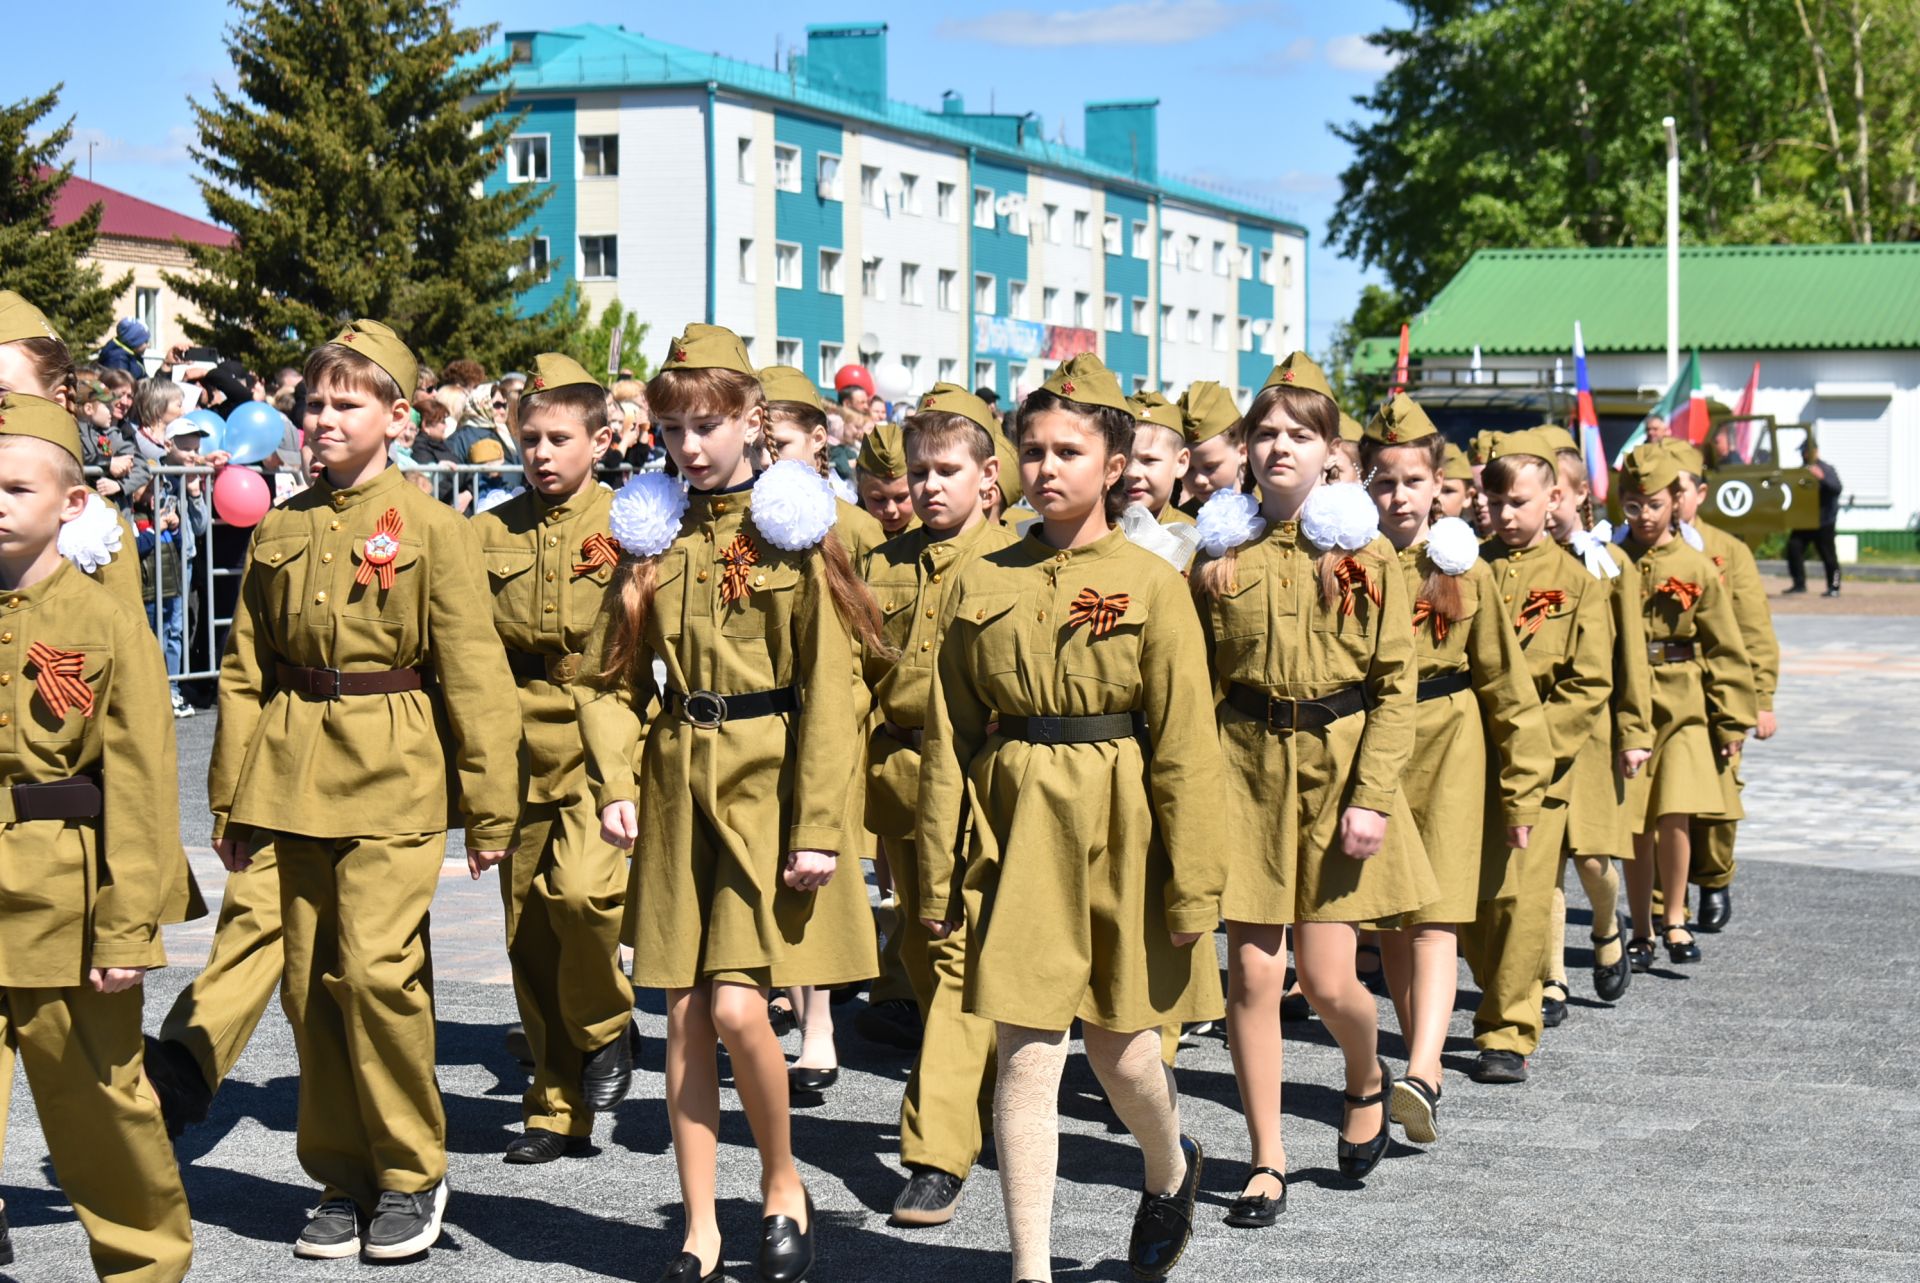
(825, 222)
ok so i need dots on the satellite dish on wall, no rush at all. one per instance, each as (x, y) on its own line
(869, 342)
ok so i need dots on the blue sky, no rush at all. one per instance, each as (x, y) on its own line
(1247, 90)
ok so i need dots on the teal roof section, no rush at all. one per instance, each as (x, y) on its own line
(1732, 298)
(593, 56)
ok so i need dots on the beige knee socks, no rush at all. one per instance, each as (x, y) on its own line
(1601, 879)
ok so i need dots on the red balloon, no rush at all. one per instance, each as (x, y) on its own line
(241, 496)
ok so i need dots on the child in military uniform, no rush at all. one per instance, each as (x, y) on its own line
(1456, 483)
(1091, 884)
(1308, 627)
(90, 858)
(1560, 614)
(1473, 691)
(1160, 457)
(334, 743)
(880, 478)
(797, 429)
(950, 462)
(1216, 443)
(1703, 698)
(549, 559)
(740, 588)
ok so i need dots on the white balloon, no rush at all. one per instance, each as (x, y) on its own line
(891, 380)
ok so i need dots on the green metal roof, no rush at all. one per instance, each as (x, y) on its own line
(594, 56)
(1732, 297)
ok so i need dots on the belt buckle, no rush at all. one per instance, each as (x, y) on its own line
(334, 673)
(1293, 715)
(704, 709)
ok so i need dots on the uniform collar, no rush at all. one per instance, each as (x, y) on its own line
(568, 508)
(1534, 553)
(1104, 546)
(38, 594)
(940, 551)
(381, 486)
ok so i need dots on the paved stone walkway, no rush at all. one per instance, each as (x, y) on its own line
(1752, 1117)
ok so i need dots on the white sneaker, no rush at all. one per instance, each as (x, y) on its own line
(180, 706)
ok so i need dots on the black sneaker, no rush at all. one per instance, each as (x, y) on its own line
(1499, 1067)
(893, 1023)
(6, 1239)
(178, 1082)
(928, 1199)
(333, 1231)
(1164, 1222)
(405, 1224)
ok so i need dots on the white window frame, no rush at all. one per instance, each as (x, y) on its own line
(983, 374)
(831, 357)
(1050, 305)
(1218, 329)
(1243, 261)
(872, 194)
(749, 271)
(909, 192)
(910, 284)
(946, 370)
(513, 158)
(146, 306)
(984, 281)
(1082, 310)
(1139, 384)
(1111, 313)
(872, 283)
(912, 363)
(1111, 232)
(792, 155)
(1220, 267)
(990, 221)
(1243, 333)
(1192, 256)
(1169, 249)
(1266, 266)
(603, 139)
(1142, 246)
(1018, 221)
(946, 201)
(947, 290)
(1286, 269)
(743, 160)
(1083, 228)
(831, 271)
(1017, 300)
(794, 279)
(824, 187)
(1140, 316)
(786, 352)
(1195, 334)
(610, 241)
(539, 259)
(1050, 218)
(1167, 329)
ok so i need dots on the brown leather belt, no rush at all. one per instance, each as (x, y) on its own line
(331, 683)
(529, 667)
(1284, 716)
(1669, 652)
(77, 798)
(911, 736)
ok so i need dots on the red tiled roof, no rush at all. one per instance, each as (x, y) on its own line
(132, 217)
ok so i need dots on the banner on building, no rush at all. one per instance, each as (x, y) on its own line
(1029, 340)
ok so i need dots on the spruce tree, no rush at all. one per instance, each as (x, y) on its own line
(347, 161)
(38, 260)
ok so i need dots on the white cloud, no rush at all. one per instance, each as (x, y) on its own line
(1131, 22)
(1353, 53)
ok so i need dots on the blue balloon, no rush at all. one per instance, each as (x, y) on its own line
(211, 425)
(253, 431)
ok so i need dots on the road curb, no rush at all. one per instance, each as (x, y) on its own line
(1862, 572)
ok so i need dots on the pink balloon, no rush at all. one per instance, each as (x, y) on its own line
(241, 496)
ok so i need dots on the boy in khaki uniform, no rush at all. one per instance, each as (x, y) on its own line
(1216, 443)
(880, 476)
(549, 559)
(1160, 457)
(334, 742)
(950, 461)
(90, 858)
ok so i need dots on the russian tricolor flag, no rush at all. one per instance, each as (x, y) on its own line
(1588, 421)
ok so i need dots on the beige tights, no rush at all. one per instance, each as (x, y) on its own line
(1026, 1124)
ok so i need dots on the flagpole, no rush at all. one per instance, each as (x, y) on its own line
(1673, 251)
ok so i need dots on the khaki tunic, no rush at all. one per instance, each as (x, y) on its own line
(1698, 707)
(1601, 804)
(367, 764)
(1741, 574)
(1285, 793)
(720, 808)
(859, 532)
(1446, 778)
(1081, 860)
(73, 894)
(1172, 516)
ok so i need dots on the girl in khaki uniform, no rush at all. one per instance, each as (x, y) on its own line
(1607, 771)
(740, 589)
(1703, 697)
(1311, 639)
(1473, 691)
(1070, 760)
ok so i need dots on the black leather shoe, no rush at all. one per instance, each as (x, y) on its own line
(1640, 954)
(178, 1082)
(1610, 982)
(1416, 1107)
(928, 1199)
(1553, 1004)
(1687, 950)
(1357, 1160)
(1797, 588)
(517, 1045)
(786, 1250)
(1499, 1067)
(608, 1074)
(893, 1023)
(781, 1016)
(1257, 1211)
(1295, 1007)
(1164, 1222)
(536, 1145)
(685, 1268)
(6, 1239)
(810, 1082)
(1716, 908)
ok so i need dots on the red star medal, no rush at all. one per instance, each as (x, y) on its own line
(383, 545)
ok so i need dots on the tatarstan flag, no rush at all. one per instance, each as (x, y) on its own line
(1684, 408)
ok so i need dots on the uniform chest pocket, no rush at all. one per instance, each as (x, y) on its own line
(1357, 598)
(372, 600)
(1668, 617)
(1241, 608)
(280, 568)
(43, 726)
(897, 604)
(990, 630)
(1555, 635)
(1112, 656)
(510, 576)
(766, 609)
(668, 612)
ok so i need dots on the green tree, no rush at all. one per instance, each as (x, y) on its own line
(590, 342)
(38, 260)
(347, 161)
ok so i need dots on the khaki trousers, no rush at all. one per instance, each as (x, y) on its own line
(216, 1015)
(1506, 941)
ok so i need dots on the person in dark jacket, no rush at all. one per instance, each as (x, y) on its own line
(1821, 539)
(123, 350)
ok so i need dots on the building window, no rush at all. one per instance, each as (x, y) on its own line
(1017, 300)
(146, 308)
(600, 156)
(536, 261)
(870, 283)
(1110, 234)
(912, 364)
(1017, 223)
(983, 294)
(1139, 384)
(527, 159)
(1082, 310)
(599, 258)
(1194, 333)
(827, 176)
(1111, 306)
(871, 194)
(947, 290)
(829, 360)
(743, 160)
(1266, 266)
(949, 370)
(1220, 258)
(1050, 306)
(1166, 322)
(946, 202)
(983, 207)
(1169, 256)
(1192, 257)
(910, 193)
(786, 167)
(786, 268)
(1083, 229)
(910, 284)
(1219, 332)
(1244, 334)
(1139, 316)
(1286, 270)
(786, 352)
(746, 260)
(1050, 220)
(1141, 245)
(1243, 262)
(831, 281)
(983, 374)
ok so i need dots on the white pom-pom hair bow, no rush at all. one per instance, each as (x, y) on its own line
(1452, 546)
(1227, 520)
(645, 518)
(1340, 515)
(793, 505)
